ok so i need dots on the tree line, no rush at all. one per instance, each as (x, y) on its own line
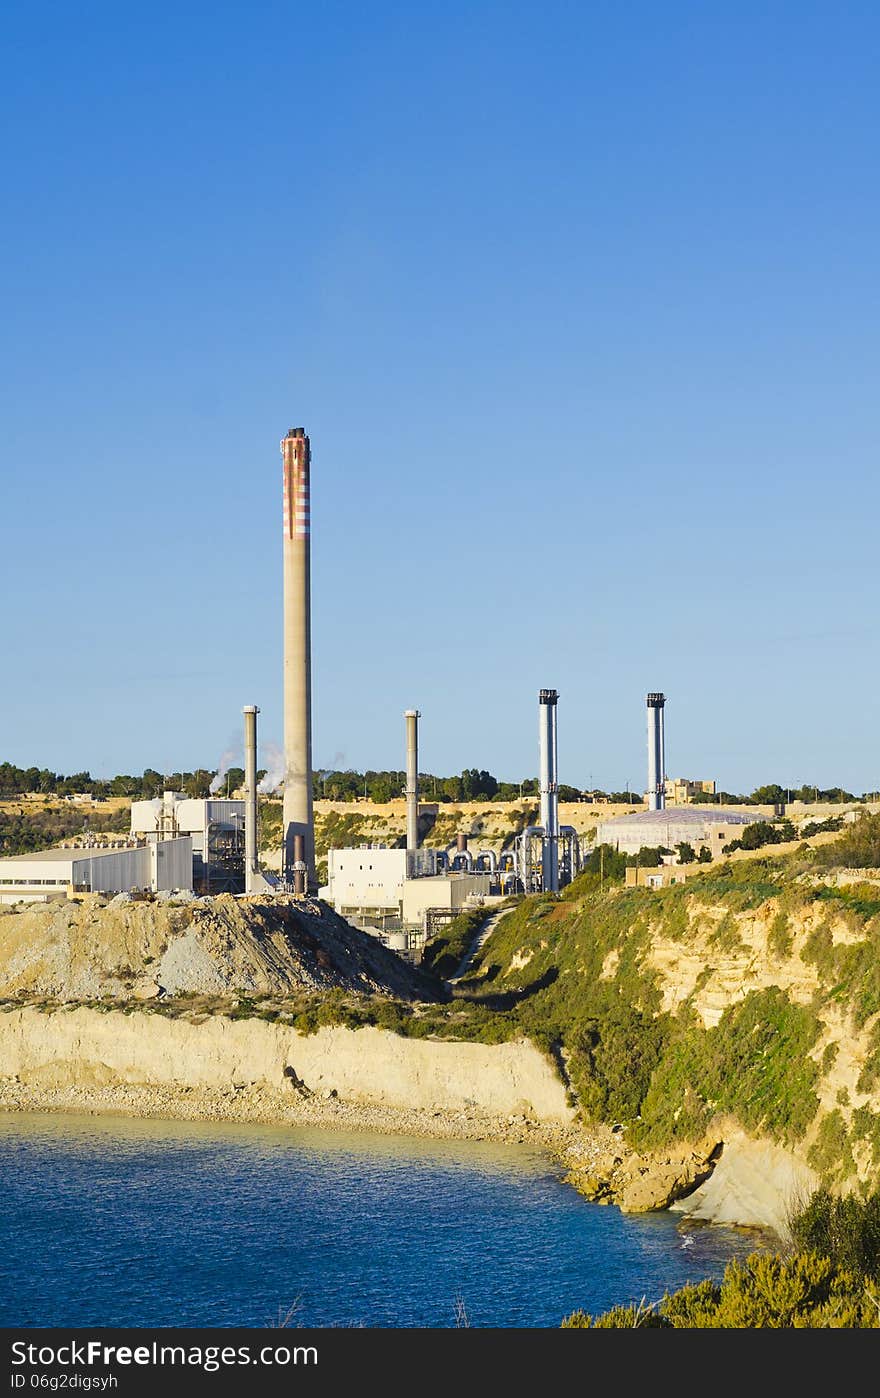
(472, 784)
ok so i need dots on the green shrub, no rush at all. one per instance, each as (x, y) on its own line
(831, 1153)
(765, 1292)
(845, 1229)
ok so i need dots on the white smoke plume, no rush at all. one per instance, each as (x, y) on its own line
(232, 757)
(273, 760)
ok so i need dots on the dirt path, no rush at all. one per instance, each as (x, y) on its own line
(484, 932)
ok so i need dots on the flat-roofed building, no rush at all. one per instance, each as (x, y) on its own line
(57, 873)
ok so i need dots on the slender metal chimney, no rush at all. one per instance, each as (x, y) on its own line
(461, 842)
(299, 865)
(412, 717)
(250, 712)
(297, 817)
(656, 753)
(549, 787)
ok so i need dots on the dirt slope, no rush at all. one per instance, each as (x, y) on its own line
(220, 945)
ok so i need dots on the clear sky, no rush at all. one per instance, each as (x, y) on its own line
(578, 303)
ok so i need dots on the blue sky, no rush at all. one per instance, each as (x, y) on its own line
(579, 307)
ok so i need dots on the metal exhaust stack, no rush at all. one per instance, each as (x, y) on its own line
(250, 712)
(299, 865)
(656, 753)
(297, 817)
(412, 717)
(549, 787)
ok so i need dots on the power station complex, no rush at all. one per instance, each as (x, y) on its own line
(211, 846)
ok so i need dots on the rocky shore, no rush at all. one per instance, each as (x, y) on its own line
(572, 1146)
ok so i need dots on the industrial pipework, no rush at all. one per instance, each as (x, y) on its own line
(412, 717)
(297, 816)
(656, 753)
(250, 712)
(549, 788)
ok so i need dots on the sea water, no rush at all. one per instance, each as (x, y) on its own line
(106, 1221)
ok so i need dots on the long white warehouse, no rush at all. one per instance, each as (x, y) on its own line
(54, 873)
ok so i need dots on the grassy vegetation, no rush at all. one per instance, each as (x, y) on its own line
(444, 952)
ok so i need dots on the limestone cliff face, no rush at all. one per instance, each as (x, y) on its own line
(713, 974)
(766, 981)
(93, 1048)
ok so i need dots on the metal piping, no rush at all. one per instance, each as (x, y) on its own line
(297, 815)
(492, 858)
(656, 754)
(530, 832)
(573, 845)
(412, 717)
(250, 712)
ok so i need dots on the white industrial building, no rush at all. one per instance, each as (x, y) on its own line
(712, 826)
(57, 873)
(216, 828)
(390, 889)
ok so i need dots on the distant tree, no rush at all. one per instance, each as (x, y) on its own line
(78, 782)
(648, 857)
(122, 785)
(568, 793)
(686, 852)
(705, 855)
(606, 861)
(761, 833)
(233, 780)
(197, 784)
(768, 795)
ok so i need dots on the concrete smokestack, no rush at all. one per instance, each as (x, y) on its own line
(297, 817)
(656, 753)
(250, 712)
(412, 717)
(549, 787)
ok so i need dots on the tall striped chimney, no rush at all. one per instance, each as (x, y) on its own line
(297, 816)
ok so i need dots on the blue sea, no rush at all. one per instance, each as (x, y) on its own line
(107, 1221)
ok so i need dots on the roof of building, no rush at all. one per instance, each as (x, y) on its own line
(686, 815)
(64, 853)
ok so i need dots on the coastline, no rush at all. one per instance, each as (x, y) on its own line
(261, 1105)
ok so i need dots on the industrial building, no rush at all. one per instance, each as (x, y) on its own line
(392, 889)
(216, 830)
(402, 892)
(118, 868)
(712, 826)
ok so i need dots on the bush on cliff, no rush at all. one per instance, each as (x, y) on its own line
(806, 1291)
